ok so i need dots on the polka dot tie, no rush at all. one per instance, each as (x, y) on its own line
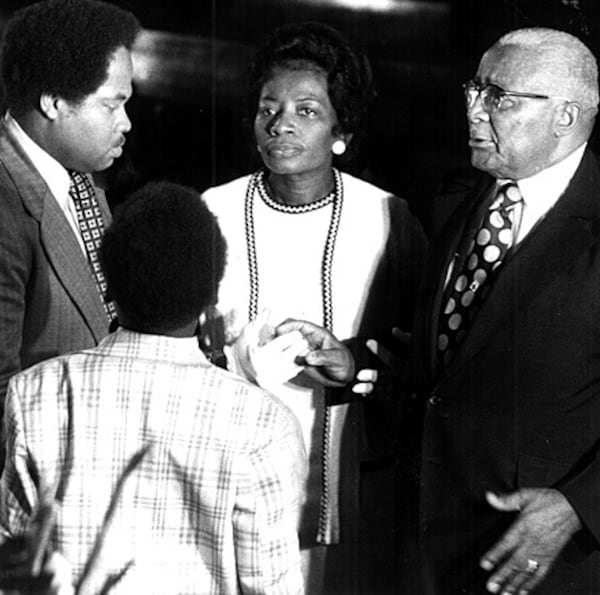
(486, 253)
(91, 226)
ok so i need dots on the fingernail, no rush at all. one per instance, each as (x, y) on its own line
(486, 565)
(364, 375)
(493, 587)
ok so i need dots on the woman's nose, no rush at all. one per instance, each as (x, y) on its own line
(281, 123)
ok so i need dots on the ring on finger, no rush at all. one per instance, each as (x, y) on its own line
(532, 566)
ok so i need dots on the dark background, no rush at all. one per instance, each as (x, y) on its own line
(187, 108)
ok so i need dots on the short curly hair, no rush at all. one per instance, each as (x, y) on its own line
(61, 47)
(571, 64)
(163, 256)
(297, 45)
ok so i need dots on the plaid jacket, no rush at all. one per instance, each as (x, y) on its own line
(211, 507)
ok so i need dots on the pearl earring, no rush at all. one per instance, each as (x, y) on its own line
(338, 147)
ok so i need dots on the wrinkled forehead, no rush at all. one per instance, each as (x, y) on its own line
(516, 68)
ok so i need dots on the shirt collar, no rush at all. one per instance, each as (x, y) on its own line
(541, 191)
(132, 344)
(53, 173)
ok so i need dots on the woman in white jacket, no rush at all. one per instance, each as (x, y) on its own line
(308, 241)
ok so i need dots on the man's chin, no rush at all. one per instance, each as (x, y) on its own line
(104, 165)
(482, 160)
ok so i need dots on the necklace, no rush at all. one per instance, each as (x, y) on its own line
(257, 183)
(292, 209)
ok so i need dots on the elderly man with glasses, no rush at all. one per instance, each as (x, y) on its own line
(506, 350)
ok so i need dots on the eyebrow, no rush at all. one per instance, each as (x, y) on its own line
(303, 98)
(117, 97)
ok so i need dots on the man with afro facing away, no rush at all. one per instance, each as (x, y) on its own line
(210, 465)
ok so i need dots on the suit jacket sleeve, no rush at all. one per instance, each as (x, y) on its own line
(14, 273)
(26, 289)
(392, 295)
(582, 490)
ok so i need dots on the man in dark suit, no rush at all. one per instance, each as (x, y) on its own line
(66, 71)
(507, 344)
(509, 478)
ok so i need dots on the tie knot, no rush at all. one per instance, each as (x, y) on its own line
(507, 197)
(80, 187)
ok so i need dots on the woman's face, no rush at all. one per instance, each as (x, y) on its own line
(294, 122)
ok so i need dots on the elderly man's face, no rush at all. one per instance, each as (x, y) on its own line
(517, 140)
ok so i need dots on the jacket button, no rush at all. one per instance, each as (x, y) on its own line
(434, 400)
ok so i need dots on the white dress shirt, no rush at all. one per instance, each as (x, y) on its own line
(541, 191)
(53, 173)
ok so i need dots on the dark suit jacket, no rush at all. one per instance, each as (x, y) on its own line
(519, 405)
(49, 304)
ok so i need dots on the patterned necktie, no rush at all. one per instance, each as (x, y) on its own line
(486, 253)
(91, 226)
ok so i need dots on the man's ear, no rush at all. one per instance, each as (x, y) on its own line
(49, 105)
(568, 117)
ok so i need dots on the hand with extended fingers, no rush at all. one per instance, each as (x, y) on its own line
(525, 553)
(265, 357)
(327, 360)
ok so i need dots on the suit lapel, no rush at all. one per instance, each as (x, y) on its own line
(57, 237)
(452, 245)
(71, 267)
(567, 231)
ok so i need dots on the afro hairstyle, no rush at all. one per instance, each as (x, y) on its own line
(163, 257)
(61, 47)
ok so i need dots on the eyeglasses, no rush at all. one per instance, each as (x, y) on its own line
(492, 95)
